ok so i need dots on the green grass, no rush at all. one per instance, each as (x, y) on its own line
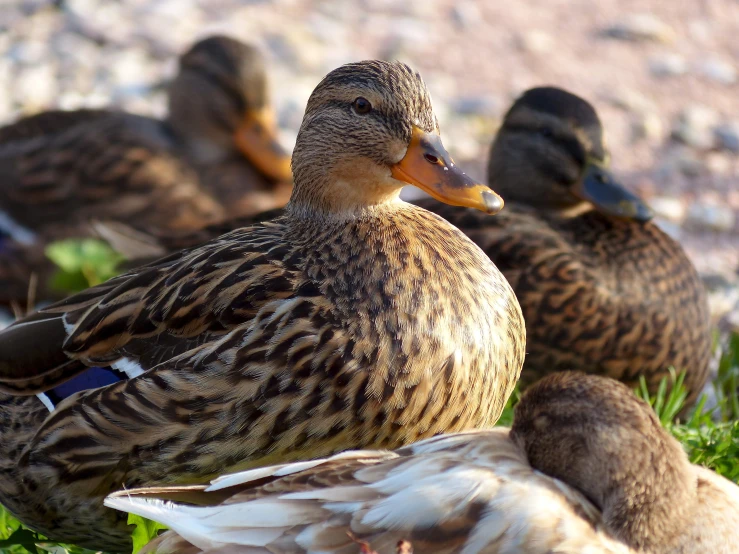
(710, 437)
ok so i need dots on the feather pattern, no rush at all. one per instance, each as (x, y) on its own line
(489, 491)
(366, 324)
(600, 293)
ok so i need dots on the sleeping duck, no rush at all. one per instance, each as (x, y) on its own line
(586, 467)
(355, 320)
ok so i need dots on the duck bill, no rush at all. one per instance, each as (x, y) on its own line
(598, 187)
(429, 166)
(256, 138)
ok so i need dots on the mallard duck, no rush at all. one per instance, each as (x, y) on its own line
(586, 467)
(60, 170)
(602, 289)
(355, 320)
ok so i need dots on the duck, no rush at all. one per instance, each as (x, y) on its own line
(585, 467)
(602, 288)
(355, 320)
(215, 156)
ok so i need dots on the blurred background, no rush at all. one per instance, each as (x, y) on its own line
(663, 74)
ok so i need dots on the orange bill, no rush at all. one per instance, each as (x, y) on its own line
(256, 138)
(429, 166)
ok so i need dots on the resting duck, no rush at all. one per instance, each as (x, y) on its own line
(602, 289)
(59, 170)
(355, 320)
(586, 467)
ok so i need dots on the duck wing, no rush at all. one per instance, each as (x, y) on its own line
(468, 492)
(149, 314)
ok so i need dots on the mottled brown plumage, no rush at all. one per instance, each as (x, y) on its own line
(600, 292)
(355, 320)
(62, 170)
(586, 468)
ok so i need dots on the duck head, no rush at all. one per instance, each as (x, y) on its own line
(219, 104)
(550, 153)
(369, 130)
(594, 434)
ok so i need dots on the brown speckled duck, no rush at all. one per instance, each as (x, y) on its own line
(215, 156)
(354, 320)
(602, 289)
(586, 468)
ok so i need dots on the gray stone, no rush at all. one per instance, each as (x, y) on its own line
(646, 126)
(727, 136)
(683, 160)
(475, 105)
(641, 27)
(667, 65)
(466, 14)
(694, 126)
(719, 70)
(630, 100)
(702, 215)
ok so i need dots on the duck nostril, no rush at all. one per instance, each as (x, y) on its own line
(431, 158)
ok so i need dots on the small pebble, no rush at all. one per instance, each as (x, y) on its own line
(727, 136)
(719, 70)
(667, 65)
(535, 41)
(668, 207)
(710, 217)
(466, 14)
(641, 27)
(476, 105)
(694, 126)
(646, 126)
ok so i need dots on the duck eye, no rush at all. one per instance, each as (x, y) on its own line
(362, 106)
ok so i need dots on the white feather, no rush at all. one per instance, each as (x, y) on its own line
(243, 477)
(45, 399)
(428, 501)
(127, 366)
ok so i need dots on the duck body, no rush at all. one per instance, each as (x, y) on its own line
(599, 294)
(63, 170)
(332, 327)
(100, 164)
(494, 491)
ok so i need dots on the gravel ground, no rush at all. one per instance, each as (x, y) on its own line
(664, 76)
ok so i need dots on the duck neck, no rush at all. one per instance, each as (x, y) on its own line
(338, 190)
